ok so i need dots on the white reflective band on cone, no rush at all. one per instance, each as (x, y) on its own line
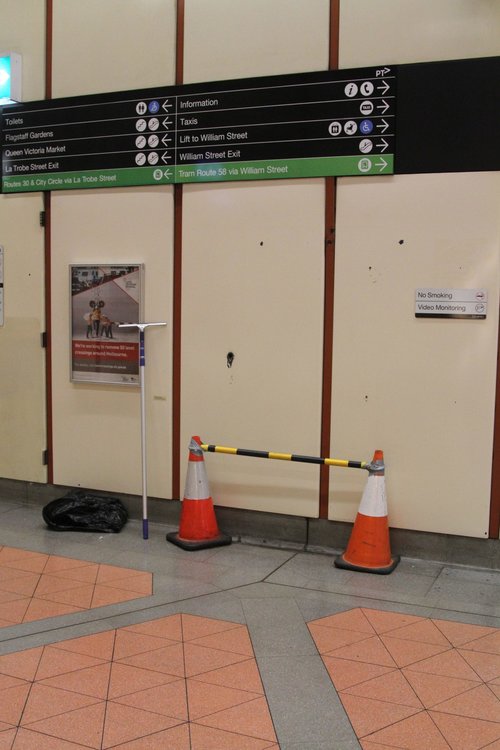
(374, 499)
(196, 482)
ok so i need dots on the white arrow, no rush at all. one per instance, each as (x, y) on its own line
(384, 106)
(166, 122)
(166, 105)
(384, 126)
(165, 140)
(383, 145)
(384, 88)
(382, 164)
(165, 157)
(167, 173)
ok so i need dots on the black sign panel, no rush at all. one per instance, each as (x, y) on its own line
(311, 124)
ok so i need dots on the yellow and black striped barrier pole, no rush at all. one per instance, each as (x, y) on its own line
(289, 457)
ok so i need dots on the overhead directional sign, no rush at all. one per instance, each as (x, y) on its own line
(306, 125)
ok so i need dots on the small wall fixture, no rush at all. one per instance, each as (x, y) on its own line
(10, 77)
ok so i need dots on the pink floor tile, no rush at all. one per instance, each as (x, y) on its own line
(80, 597)
(414, 733)
(108, 573)
(207, 738)
(93, 681)
(459, 633)
(176, 738)
(383, 622)
(165, 627)
(168, 700)
(75, 694)
(424, 632)
(24, 586)
(126, 723)
(99, 645)
(490, 644)
(205, 699)
(448, 664)
(465, 733)
(130, 644)
(487, 666)
(168, 660)
(45, 701)
(83, 726)
(40, 609)
(125, 679)
(7, 738)
(410, 652)
(329, 638)
(243, 674)
(344, 673)
(251, 718)
(26, 739)
(82, 573)
(368, 715)
(198, 627)
(478, 703)
(433, 689)
(370, 650)
(13, 612)
(23, 664)
(12, 702)
(392, 687)
(235, 641)
(441, 687)
(56, 661)
(35, 586)
(104, 595)
(352, 619)
(199, 659)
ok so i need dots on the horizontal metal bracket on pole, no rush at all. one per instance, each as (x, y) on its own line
(377, 467)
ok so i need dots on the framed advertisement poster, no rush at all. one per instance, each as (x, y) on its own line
(102, 297)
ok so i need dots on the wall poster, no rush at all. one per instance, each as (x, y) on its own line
(102, 297)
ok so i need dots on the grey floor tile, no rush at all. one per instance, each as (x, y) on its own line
(277, 627)
(307, 711)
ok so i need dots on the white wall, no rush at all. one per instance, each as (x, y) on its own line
(422, 390)
(22, 370)
(112, 46)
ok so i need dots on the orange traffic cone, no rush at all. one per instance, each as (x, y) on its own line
(369, 549)
(198, 526)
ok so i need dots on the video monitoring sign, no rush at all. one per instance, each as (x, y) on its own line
(307, 125)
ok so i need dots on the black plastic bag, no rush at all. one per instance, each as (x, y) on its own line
(82, 511)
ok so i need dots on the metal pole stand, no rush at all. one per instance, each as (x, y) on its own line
(142, 363)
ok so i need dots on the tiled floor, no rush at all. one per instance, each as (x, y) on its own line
(34, 586)
(240, 648)
(413, 682)
(180, 682)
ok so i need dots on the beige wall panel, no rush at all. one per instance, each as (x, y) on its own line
(252, 268)
(22, 30)
(22, 374)
(402, 31)
(228, 39)
(112, 45)
(97, 427)
(423, 390)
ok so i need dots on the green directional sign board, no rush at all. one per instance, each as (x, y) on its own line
(306, 125)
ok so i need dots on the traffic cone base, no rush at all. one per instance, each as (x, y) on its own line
(190, 546)
(198, 525)
(368, 550)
